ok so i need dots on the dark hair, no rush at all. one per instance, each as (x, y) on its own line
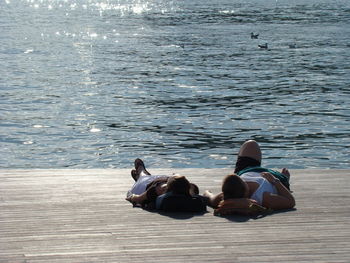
(178, 184)
(233, 187)
(194, 188)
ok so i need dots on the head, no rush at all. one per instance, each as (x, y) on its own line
(234, 187)
(178, 184)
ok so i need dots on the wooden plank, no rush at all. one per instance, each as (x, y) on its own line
(81, 216)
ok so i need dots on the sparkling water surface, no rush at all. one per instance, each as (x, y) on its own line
(98, 83)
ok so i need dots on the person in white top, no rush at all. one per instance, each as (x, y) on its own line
(263, 187)
(143, 180)
(148, 187)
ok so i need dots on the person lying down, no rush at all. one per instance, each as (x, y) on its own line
(240, 196)
(167, 193)
(250, 193)
(253, 186)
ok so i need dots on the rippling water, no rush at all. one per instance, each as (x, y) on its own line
(95, 84)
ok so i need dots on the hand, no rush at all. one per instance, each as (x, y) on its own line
(207, 193)
(268, 176)
(131, 198)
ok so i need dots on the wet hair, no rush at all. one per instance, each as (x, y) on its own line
(233, 187)
(178, 184)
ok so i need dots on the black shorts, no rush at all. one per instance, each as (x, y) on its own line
(245, 162)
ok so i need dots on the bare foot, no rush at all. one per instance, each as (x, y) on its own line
(285, 172)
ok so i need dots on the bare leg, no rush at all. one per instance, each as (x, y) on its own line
(250, 149)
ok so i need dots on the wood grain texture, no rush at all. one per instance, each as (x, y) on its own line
(82, 216)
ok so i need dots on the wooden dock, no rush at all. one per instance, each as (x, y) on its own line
(81, 216)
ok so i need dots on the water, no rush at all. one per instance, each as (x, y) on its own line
(95, 84)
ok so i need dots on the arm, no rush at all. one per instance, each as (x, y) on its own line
(282, 200)
(148, 196)
(138, 199)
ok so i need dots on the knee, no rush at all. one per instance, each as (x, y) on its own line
(250, 149)
(251, 143)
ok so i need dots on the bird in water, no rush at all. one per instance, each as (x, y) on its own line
(254, 36)
(264, 46)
